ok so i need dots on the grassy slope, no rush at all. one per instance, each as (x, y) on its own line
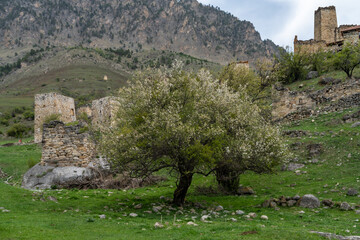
(75, 216)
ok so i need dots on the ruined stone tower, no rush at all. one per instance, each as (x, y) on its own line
(325, 24)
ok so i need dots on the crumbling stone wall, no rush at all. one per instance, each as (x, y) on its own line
(297, 105)
(104, 111)
(52, 103)
(308, 46)
(65, 146)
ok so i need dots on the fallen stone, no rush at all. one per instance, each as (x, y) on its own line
(158, 225)
(102, 216)
(292, 166)
(233, 219)
(296, 197)
(44, 177)
(5, 211)
(312, 74)
(315, 149)
(239, 212)
(245, 191)
(309, 201)
(352, 192)
(192, 224)
(51, 198)
(291, 203)
(345, 206)
(157, 209)
(357, 124)
(219, 208)
(334, 236)
(264, 217)
(205, 218)
(327, 203)
(138, 206)
(329, 81)
(252, 215)
(133, 215)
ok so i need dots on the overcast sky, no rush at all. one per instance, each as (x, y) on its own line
(281, 20)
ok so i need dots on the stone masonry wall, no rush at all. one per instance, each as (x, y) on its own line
(52, 103)
(325, 24)
(289, 104)
(66, 145)
(103, 112)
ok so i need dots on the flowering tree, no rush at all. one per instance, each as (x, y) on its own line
(188, 124)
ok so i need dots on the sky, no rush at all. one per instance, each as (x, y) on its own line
(281, 20)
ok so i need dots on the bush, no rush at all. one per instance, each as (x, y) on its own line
(52, 117)
(291, 67)
(32, 162)
(188, 123)
(29, 115)
(17, 130)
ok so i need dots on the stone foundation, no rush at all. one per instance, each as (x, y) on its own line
(66, 146)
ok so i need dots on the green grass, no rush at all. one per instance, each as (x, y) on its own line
(76, 214)
(312, 84)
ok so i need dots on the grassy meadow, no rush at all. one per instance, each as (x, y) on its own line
(75, 214)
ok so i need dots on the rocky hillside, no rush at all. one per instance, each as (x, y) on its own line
(179, 25)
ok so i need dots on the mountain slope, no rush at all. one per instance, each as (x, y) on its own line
(179, 25)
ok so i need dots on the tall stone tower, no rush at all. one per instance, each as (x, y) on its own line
(325, 24)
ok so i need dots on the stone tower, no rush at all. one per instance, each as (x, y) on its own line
(325, 24)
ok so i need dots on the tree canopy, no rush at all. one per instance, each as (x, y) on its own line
(188, 123)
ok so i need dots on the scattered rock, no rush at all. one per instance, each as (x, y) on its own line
(245, 191)
(309, 201)
(291, 203)
(133, 215)
(239, 212)
(357, 124)
(315, 149)
(327, 203)
(352, 192)
(334, 236)
(157, 209)
(192, 224)
(252, 215)
(158, 225)
(219, 208)
(103, 216)
(329, 81)
(51, 198)
(264, 217)
(312, 74)
(296, 197)
(233, 219)
(345, 206)
(295, 133)
(292, 166)
(205, 218)
(138, 206)
(357, 211)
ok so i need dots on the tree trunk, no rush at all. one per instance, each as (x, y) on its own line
(182, 188)
(228, 179)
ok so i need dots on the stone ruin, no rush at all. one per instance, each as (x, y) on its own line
(69, 151)
(327, 34)
(295, 105)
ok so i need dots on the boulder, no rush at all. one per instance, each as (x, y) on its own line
(44, 177)
(315, 149)
(357, 124)
(245, 191)
(312, 74)
(352, 192)
(292, 166)
(327, 203)
(309, 201)
(345, 206)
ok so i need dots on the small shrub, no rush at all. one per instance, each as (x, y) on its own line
(31, 162)
(28, 115)
(4, 122)
(52, 117)
(83, 129)
(17, 130)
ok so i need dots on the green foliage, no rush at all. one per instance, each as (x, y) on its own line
(52, 117)
(28, 114)
(188, 123)
(347, 59)
(32, 162)
(17, 130)
(291, 67)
